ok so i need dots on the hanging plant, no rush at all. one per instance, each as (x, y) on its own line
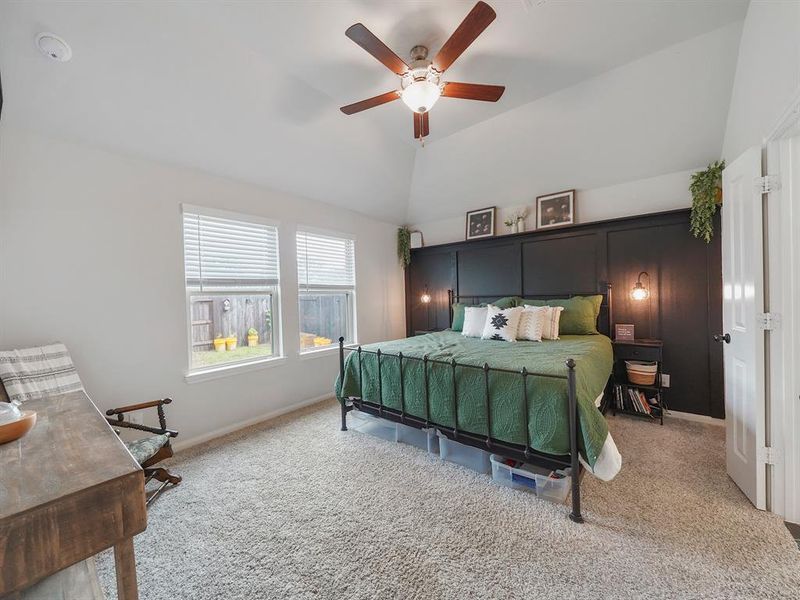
(404, 246)
(706, 189)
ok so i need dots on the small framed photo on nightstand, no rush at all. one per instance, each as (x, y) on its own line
(623, 332)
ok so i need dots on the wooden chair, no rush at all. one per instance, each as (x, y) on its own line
(48, 370)
(150, 450)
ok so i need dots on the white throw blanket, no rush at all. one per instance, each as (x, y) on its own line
(609, 461)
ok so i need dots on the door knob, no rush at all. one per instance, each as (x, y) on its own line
(723, 338)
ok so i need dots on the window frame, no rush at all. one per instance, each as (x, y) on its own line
(317, 289)
(277, 356)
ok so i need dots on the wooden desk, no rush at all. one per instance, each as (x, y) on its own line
(68, 490)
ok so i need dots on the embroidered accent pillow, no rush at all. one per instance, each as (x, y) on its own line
(501, 323)
(552, 315)
(531, 323)
(474, 319)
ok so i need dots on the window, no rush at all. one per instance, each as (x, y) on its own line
(231, 265)
(327, 289)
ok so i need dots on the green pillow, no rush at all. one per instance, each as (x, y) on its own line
(458, 316)
(579, 316)
(532, 302)
(507, 302)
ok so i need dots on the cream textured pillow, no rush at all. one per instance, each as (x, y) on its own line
(531, 323)
(501, 323)
(474, 319)
(552, 315)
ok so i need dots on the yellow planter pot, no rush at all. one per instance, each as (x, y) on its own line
(219, 344)
(230, 343)
(252, 340)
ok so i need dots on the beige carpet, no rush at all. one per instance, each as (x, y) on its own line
(297, 509)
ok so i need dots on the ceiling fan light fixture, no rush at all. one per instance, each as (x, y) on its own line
(420, 96)
(421, 83)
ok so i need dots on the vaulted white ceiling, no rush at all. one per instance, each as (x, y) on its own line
(597, 93)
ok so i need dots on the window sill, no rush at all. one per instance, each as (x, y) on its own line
(235, 369)
(309, 354)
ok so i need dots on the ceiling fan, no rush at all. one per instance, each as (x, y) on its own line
(421, 82)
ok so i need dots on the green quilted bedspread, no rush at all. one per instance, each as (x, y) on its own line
(547, 397)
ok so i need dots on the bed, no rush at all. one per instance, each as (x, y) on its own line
(534, 402)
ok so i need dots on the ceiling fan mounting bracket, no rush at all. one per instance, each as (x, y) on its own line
(419, 53)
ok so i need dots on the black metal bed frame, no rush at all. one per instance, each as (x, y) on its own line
(523, 453)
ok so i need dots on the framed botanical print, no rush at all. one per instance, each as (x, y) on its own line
(555, 210)
(480, 223)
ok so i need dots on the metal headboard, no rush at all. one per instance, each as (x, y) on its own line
(606, 305)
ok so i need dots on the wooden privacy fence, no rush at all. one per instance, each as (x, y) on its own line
(222, 316)
(324, 315)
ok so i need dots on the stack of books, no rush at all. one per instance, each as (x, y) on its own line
(631, 399)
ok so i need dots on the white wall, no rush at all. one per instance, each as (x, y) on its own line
(767, 74)
(663, 113)
(655, 194)
(91, 254)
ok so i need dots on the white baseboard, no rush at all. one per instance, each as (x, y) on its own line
(201, 439)
(697, 418)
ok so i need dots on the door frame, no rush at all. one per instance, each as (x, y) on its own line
(782, 297)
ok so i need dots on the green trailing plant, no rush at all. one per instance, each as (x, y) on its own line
(706, 189)
(404, 246)
(252, 331)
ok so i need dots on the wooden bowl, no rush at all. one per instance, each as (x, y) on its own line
(16, 429)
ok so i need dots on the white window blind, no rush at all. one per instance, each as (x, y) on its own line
(325, 262)
(229, 254)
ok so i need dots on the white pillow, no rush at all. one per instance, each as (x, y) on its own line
(552, 315)
(474, 319)
(531, 323)
(501, 323)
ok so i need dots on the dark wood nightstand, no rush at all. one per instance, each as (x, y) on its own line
(625, 397)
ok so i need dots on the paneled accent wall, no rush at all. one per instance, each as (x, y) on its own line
(684, 308)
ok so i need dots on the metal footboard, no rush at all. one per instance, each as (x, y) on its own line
(524, 453)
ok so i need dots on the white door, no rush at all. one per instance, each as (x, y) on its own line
(743, 303)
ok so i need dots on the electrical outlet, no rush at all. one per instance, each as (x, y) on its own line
(665, 380)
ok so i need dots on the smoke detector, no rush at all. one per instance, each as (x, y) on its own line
(53, 47)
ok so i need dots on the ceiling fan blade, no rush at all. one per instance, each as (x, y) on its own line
(369, 42)
(473, 91)
(369, 103)
(421, 125)
(471, 27)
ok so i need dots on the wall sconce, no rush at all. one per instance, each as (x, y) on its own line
(426, 297)
(639, 291)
